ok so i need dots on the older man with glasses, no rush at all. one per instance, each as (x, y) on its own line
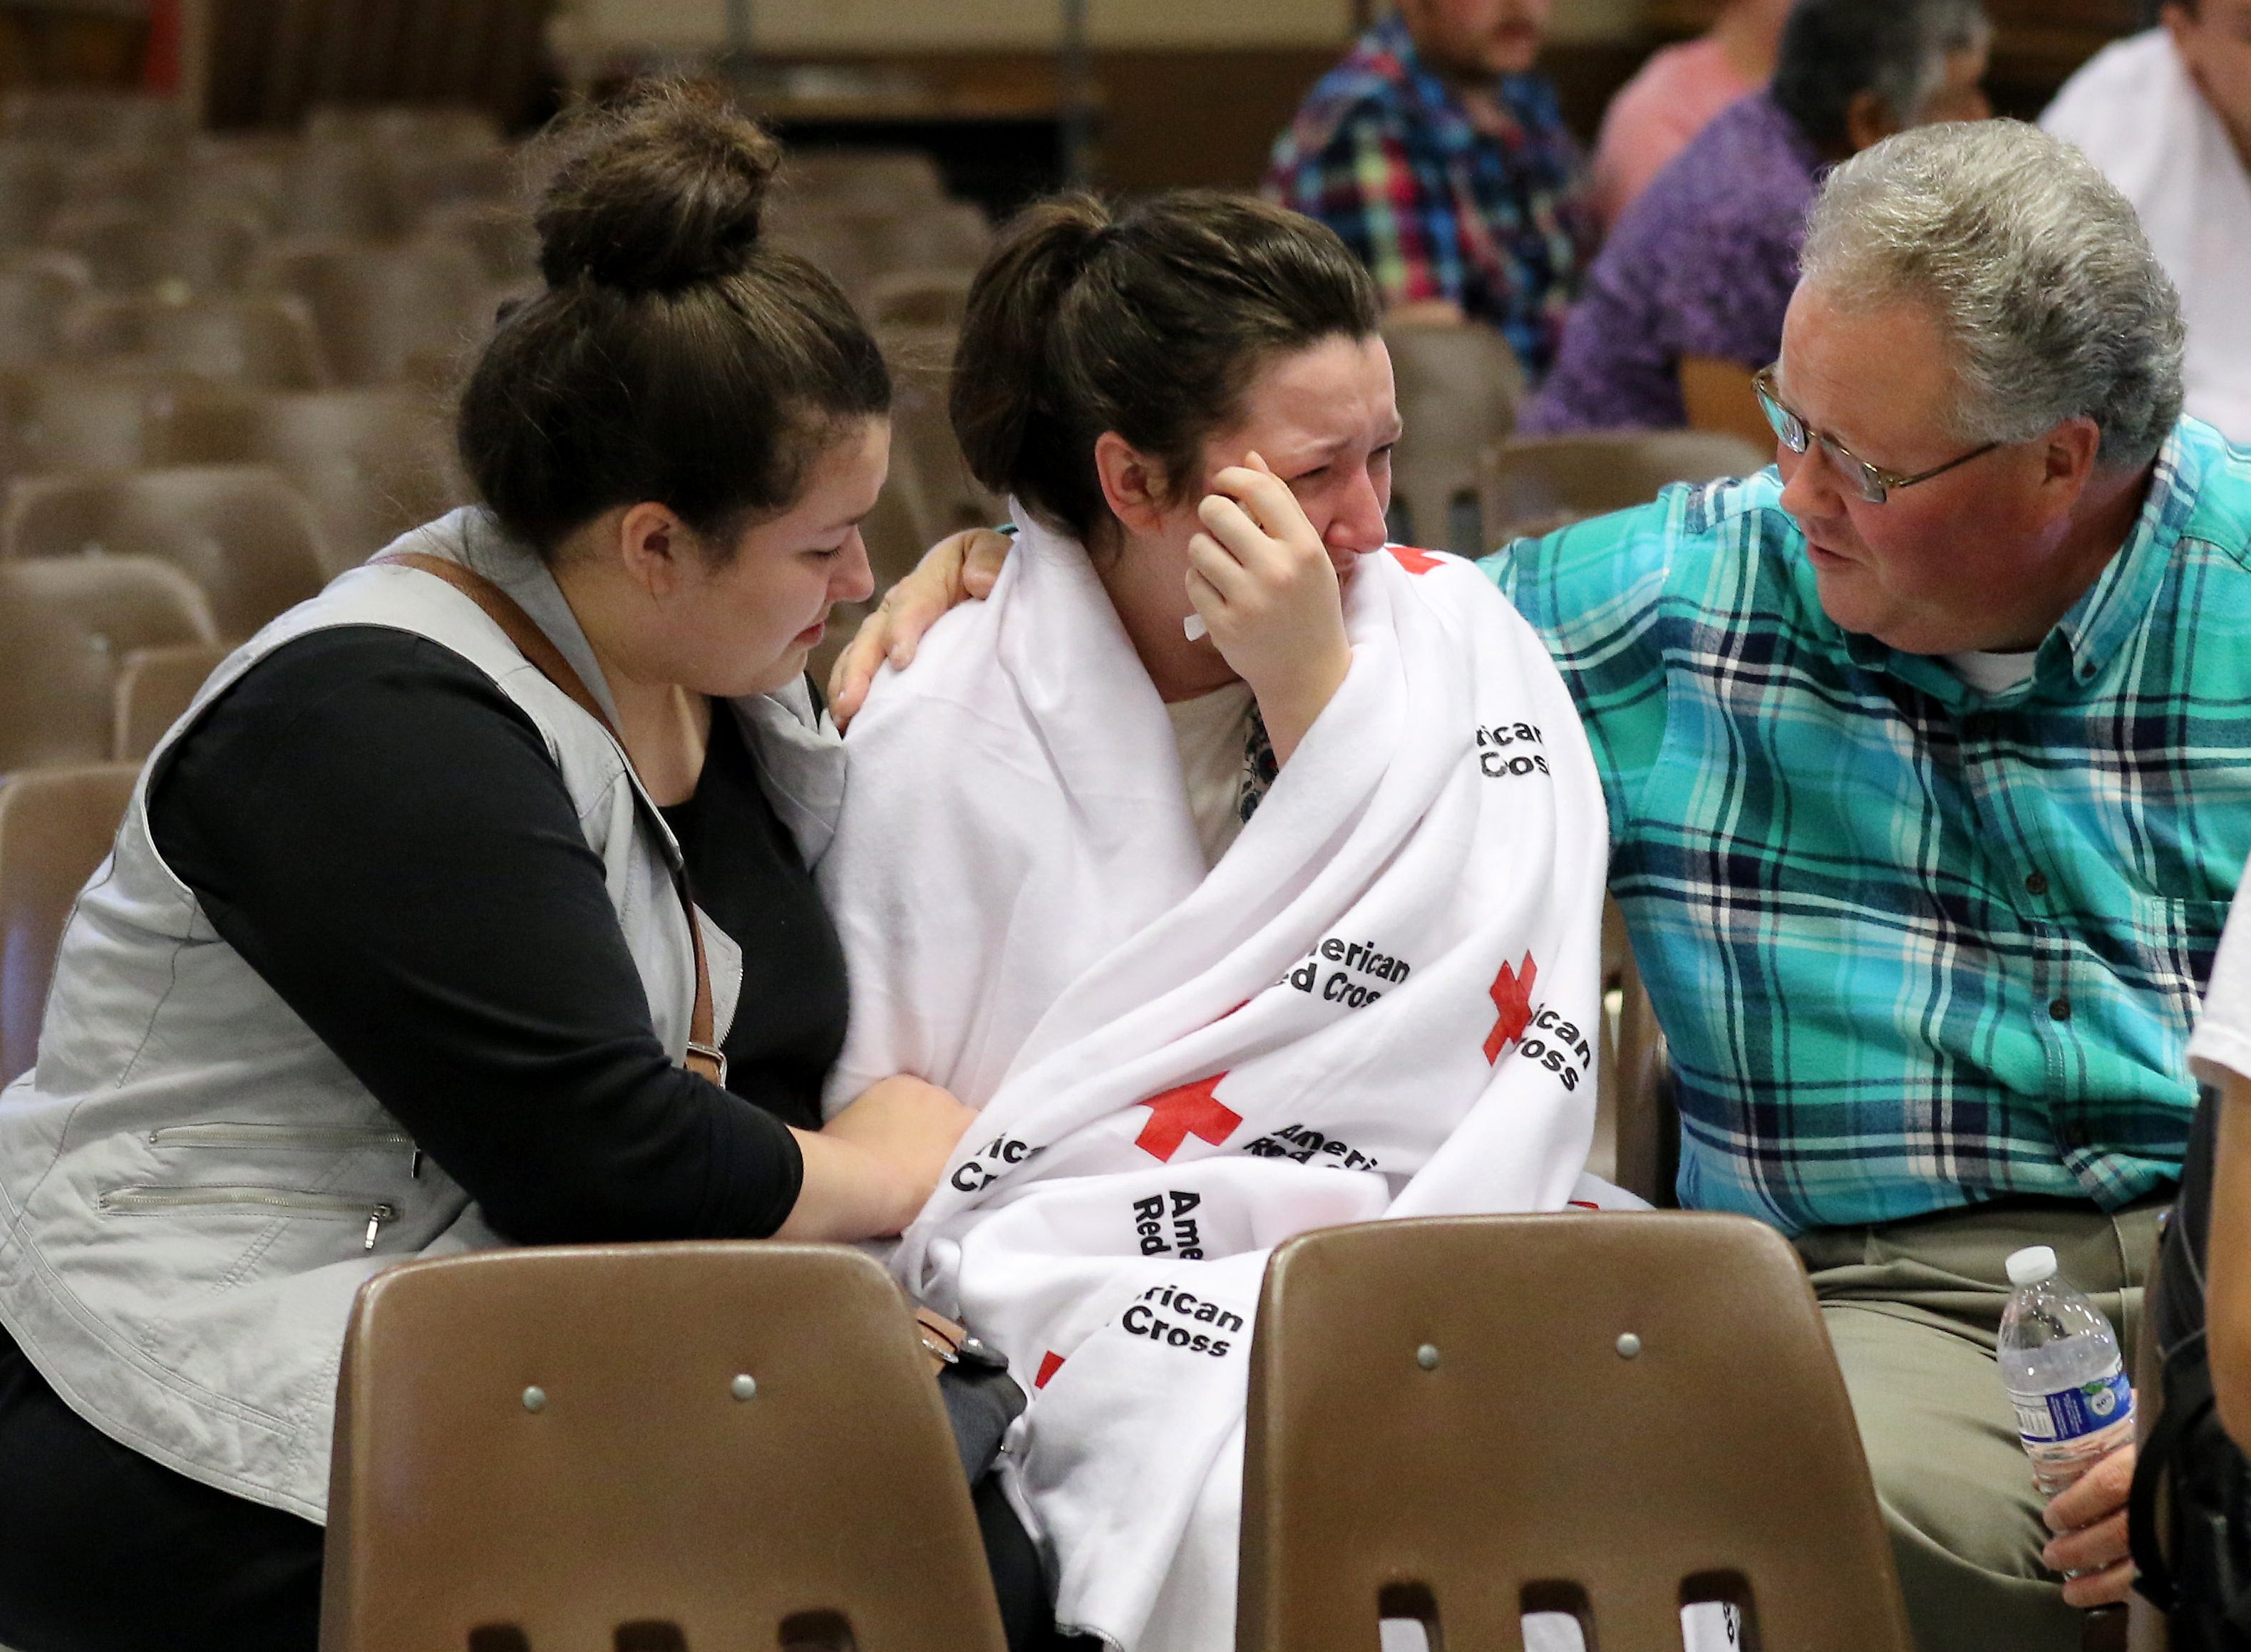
(1928, 761)
(1928, 757)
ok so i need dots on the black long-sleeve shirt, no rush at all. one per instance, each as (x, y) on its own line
(381, 835)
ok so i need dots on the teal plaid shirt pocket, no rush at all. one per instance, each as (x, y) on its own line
(1914, 946)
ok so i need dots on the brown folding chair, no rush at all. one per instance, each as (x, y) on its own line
(55, 827)
(694, 1446)
(37, 291)
(372, 462)
(380, 308)
(31, 188)
(1535, 484)
(153, 689)
(344, 190)
(500, 235)
(1463, 1420)
(262, 340)
(1459, 387)
(882, 179)
(140, 249)
(929, 475)
(82, 118)
(935, 299)
(240, 531)
(77, 416)
(67, 627)
(1636, 1129)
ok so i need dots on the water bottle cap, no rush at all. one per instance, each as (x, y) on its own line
(2030, 1265)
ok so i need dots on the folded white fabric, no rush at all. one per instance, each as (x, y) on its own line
(1381, 1002)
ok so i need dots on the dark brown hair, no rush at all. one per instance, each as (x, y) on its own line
(1151, 324)
(673, 357)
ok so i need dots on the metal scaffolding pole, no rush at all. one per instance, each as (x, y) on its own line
(1075, 95)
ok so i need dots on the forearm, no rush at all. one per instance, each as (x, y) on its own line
(849, 1193)
(1290, 710)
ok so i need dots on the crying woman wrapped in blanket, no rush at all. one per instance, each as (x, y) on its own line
(1231, 931)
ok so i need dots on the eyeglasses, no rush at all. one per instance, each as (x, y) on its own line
(1873, 482)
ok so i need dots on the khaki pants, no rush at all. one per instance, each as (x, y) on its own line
(1913, 1309)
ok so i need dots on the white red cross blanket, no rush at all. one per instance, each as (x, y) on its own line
(1381, 1002)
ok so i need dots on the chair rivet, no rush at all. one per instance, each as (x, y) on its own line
(534, 1399)
(744, 1387)
(1628, 1346)
(1427, 1357)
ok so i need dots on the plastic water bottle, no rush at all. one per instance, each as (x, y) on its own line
(2060, 1364)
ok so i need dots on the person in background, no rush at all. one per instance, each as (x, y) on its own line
(1926, 754)
(1676, 94)
(2167, 116)
(1687, 300)
(1443, 161)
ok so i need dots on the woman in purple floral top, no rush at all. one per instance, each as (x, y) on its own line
(1701, 267)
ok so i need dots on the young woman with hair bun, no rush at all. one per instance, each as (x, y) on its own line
(1244, 870)
(392, 958)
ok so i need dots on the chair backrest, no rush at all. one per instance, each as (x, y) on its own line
(929, 474)
(61, 418)
(136, 250)
(30, 187)
(84, 117)
(153, 688)
(240, 531)
(379, 308)
(55, 827)
(1537, 484)
(264, 340)
(1459, 387)
(853, 176)
(401, 125)
(1636, 1086)
(735, 1443)
(337, 188)
(36, 292)
(373, 463)
(500, 235)
(1466, 1419)
(935, 299)
(67, 628)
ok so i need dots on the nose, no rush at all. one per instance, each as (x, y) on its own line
(1357, 525)
(1808, 490)
(852, 579)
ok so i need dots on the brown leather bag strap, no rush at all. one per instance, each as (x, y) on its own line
(704, 1056)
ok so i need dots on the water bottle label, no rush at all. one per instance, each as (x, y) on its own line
(2084, 1410)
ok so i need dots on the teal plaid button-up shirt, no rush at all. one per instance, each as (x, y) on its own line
(1914, 946)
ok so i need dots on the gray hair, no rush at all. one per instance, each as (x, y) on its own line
(2035, 267)
(1832, 51)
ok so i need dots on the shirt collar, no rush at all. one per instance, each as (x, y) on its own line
(2105, 616)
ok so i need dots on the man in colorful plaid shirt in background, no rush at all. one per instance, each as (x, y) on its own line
(1444, 164)
(1928, 764)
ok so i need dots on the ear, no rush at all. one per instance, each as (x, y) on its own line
(1134, 485)
(653, 545)
(2179, 21)
(1868, 121)
(2069, 459)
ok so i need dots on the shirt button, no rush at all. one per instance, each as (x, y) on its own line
(2036, 884)
(2059, 1009)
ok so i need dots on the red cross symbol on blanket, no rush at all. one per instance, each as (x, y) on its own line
(1414, 562)
(1190, 1110)
(1511, 996)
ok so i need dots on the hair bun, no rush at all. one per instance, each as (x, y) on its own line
(660, 191)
